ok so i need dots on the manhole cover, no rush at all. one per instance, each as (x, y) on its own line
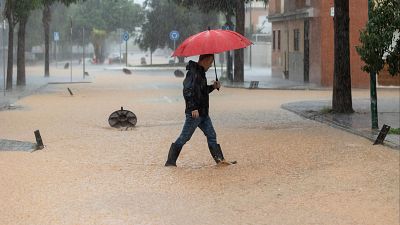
(122, 118)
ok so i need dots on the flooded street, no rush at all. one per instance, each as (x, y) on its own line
(290, 170)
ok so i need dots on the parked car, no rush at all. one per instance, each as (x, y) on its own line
(114, 58)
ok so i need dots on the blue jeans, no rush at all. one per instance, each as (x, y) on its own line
(204, 123)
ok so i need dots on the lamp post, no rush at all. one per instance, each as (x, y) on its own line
(374, 100)
(4, 56)
(83, 49)
(251, 33)
(72, 51)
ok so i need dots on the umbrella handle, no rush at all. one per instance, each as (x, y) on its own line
(216, 77)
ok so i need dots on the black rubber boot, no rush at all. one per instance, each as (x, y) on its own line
(173, 155)
(216, 153)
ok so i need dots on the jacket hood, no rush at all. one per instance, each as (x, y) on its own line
(194, 65)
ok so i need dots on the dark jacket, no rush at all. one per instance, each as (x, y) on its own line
(195, 89)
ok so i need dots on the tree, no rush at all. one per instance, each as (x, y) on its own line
(162, 17)
(239, 54)
(9, 11)
(97, 38)
(17, 12)
(378, 45)
(23, 9)
(107, 16)
(342, 100)
(46, 20)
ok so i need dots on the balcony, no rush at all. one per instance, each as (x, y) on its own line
(293, 14)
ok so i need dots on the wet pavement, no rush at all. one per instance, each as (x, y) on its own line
(12, 145)
(36, 81)
(358, 122)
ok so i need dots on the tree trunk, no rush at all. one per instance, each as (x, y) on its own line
(21, 78)
(97, 52)
(228, 17)
(151, 57)
(10, 60)
(8, 12)
(342, 100)
(239, 54)
(46, 26)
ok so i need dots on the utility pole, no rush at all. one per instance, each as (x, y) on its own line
(83, 46)
(71, 50)
(251, 33)
(374, 99)
(126, 50)
(4, 57)
(120, 48)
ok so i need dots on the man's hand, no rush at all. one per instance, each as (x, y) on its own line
(217, 85)
(195, 114)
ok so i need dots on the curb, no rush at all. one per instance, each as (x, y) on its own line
(246, 85)
(321, 119)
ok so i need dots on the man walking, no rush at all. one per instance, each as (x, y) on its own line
(195, 92)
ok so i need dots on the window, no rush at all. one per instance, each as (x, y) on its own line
(279, 40)
(296, 35)
(273, 40)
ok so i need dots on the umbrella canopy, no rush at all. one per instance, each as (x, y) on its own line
(211, 42)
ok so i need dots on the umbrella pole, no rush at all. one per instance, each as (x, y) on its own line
(216, 77)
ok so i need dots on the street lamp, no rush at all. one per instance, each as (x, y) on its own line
(4, 56)
(72, 50)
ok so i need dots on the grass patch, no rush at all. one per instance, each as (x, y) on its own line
(326, 110)
(394, 131)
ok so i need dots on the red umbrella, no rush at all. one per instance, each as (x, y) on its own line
(211, 42)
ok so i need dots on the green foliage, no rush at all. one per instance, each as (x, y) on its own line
(326, 110)
(15, 10)
(98, 36)
(224, 6)
(24, 7)
(34, 30)
(106, 15)
(163, 16)
(99, 18)
(378, 37)
(394, 131)
(227, 7)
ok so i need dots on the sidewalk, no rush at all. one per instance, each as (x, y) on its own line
(267, 81)
(34, 84)
(357, 123)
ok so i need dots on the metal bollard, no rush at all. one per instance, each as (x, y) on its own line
(39, 142)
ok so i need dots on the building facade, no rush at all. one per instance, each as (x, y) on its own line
(259, 30)
(303, 40)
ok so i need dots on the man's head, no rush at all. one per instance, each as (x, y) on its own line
(206, 61)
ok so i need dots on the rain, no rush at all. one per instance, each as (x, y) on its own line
(199, 112)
